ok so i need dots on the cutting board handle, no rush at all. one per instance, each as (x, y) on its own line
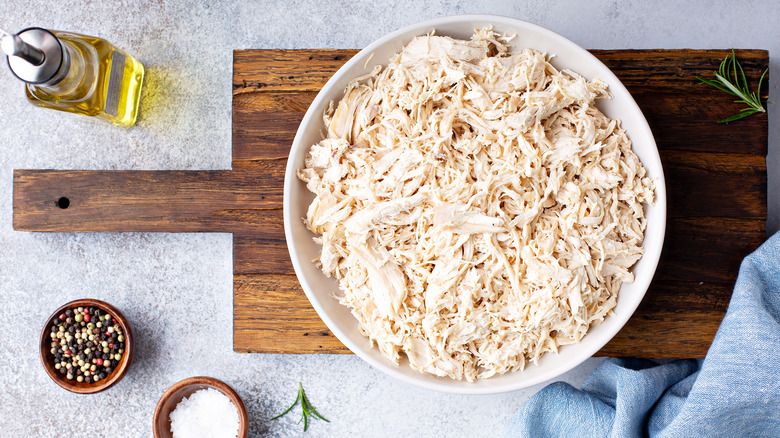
(110, 201)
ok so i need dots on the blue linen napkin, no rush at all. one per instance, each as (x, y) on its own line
(733, 392)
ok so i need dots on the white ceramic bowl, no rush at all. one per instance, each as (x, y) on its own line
(303, 250)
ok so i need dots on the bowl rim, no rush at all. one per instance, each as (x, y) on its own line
(115, 376)
(158, 421)
(641, 130)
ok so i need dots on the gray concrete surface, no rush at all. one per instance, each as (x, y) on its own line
(176, 289)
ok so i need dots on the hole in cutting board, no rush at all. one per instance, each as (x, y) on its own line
(63, 203)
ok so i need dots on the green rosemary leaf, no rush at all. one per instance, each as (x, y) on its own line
(740, 115)
(316, 414)
(760, 83)
(730, 78)
(741, 71)
(715, 84)
(306, 407)
(286, 410)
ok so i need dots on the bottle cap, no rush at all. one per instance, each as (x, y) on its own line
(36, 56)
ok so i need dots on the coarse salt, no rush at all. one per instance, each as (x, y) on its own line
(206, 413)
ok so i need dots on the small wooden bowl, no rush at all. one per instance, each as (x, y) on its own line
(47, 358)
(161, 425)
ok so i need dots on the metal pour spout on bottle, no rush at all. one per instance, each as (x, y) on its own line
(75, 73)
(12, 45)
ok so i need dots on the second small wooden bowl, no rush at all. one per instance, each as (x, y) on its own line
(47, 358)
(161, 424)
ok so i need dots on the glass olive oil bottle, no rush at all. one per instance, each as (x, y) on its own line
(76, 73)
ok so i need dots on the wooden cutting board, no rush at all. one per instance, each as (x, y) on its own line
(716, 181)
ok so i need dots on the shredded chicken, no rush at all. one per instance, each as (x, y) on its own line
(475, 206)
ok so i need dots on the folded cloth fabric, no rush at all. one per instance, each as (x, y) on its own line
(733, 392)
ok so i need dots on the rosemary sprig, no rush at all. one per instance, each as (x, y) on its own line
(731, 78)
(306, 406)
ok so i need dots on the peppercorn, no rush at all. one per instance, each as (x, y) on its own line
(84, 349)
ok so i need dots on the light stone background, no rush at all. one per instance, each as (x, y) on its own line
(176, 289)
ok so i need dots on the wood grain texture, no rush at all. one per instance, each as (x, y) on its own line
(716, 183)
(675, 69)
(716, 179)
(164, 201)
(285, 70)
(688, 122)
(262, 302)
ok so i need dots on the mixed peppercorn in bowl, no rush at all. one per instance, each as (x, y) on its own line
(86, 346)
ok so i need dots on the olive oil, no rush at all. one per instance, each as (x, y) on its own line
(91, 77)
